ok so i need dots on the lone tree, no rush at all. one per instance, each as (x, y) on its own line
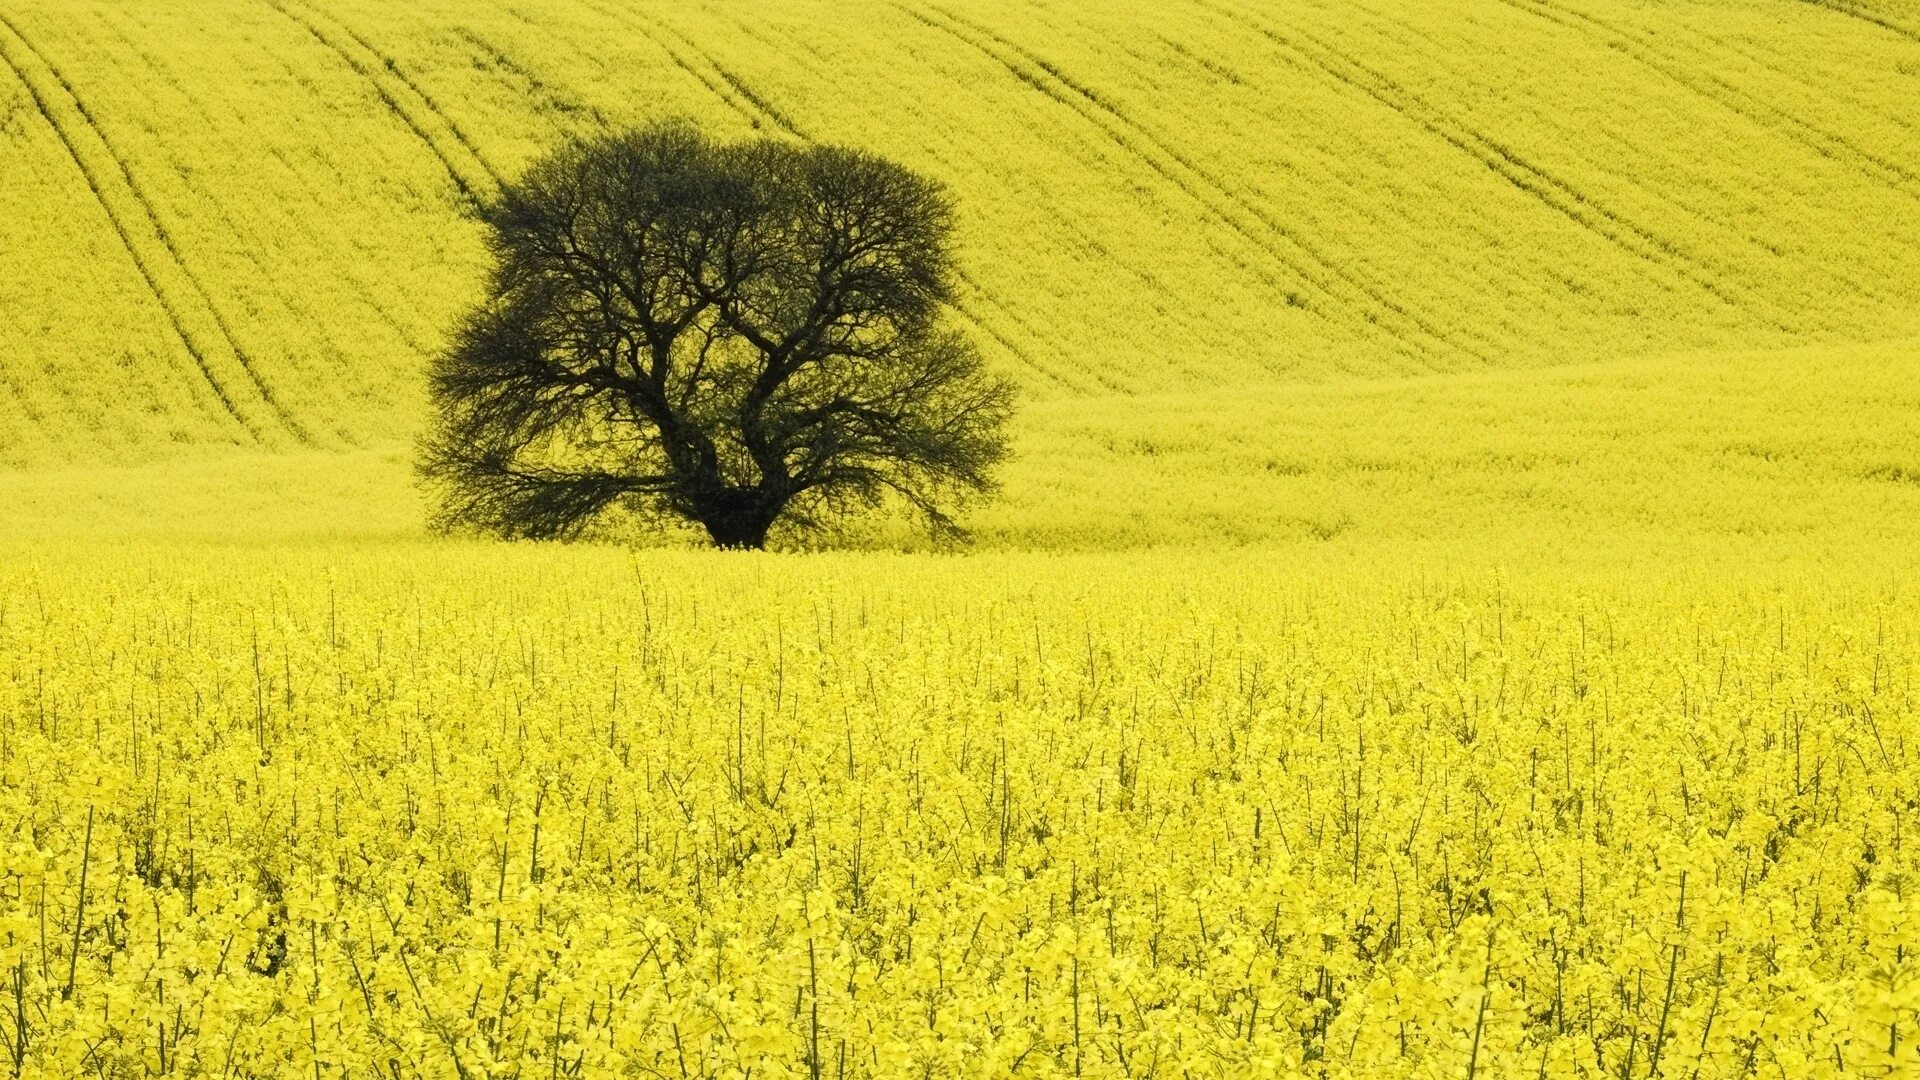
(726, 333)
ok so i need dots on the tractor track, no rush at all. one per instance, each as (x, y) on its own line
(1853, 11)
(1023, 354)
(1504, 161)
(417, 118)
(144, 263)
(1728, 96)
(551, 97)
(1020, 353)
(1293, 251)
(730, 89)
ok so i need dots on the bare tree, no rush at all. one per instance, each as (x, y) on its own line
(727, 333)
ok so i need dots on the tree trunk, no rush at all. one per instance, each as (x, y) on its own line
(742, 535)
(740, 521)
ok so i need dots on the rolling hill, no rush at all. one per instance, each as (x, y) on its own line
(238, 227)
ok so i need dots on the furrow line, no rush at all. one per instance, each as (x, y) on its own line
(1371, 291)
(802, 58)
(388, 97)
(746, 108)
(1018, 353)
(555, 99)
(433, 107)
(1127, 142)
(1854, 11)
(1368, 289)
(1807, 77)
(365, 257)
(978, 290)
(97, 184)
(1224, 73)
(1504, 161)
(1724, 273)
(1737, 101)
(1178, 171)
(248, 227)
(758, 108)
(739, 85)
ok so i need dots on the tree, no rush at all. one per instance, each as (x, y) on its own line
(725, 333)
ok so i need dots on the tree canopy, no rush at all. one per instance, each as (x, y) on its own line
(730, 333)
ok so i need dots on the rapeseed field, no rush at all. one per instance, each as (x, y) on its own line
(1451, 610)
(602, 814)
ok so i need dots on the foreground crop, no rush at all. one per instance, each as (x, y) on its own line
(460, 813)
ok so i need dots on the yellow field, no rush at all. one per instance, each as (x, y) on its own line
(238, 221)
(612, 814)
(1451, 612)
